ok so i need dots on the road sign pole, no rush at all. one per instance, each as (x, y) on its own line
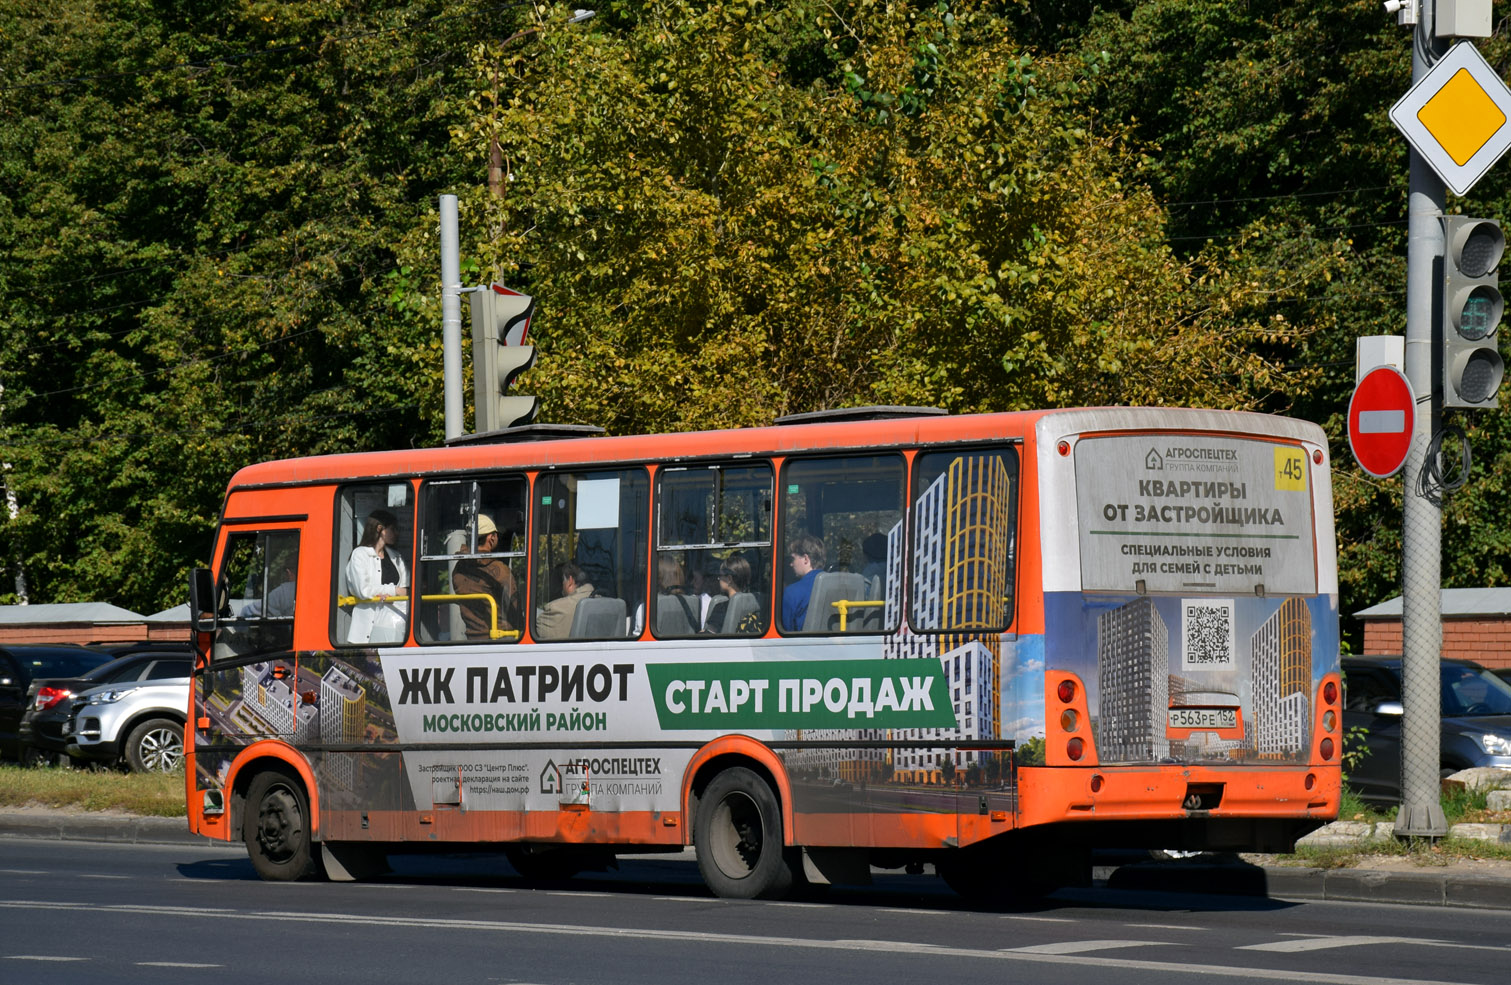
(1421, 814)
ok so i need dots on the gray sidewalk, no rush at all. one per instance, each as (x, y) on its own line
(1417, 886)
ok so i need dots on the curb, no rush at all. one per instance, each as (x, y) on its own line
(1413, 887)
(116, 828)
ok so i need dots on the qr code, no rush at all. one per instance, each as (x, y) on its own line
(1207, 635)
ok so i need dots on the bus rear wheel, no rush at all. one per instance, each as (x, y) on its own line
(738, 834)
(277, 828)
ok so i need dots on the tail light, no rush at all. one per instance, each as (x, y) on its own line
(49, 696)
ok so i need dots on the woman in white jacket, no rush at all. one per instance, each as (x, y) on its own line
(375, 575)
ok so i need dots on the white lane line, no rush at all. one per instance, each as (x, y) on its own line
(1162, 926)
(1040, 919)
(42, 957)
(174, 964)
(1078, 947)
(505, 928)
(25, 872)
(100, 876)
(1325, 943)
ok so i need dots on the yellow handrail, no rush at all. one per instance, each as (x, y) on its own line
(493, 632)
(845, 605)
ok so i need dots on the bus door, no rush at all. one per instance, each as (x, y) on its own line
(964, 518)
(252, 686)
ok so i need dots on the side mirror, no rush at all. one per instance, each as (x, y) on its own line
(1389, 708)
(202, 600)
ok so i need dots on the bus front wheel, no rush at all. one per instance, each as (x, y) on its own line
(738, 834)
(277, 828)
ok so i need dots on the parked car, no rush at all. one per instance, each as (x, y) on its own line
(140, 724)
(19, 666)
(1476, 729)
(49, 704)
(1504, 673)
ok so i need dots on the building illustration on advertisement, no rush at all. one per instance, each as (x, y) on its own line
(1133, 681)
(962, 553)
(1282, 668)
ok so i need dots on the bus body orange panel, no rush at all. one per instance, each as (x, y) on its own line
(491, 827)
(535, 455)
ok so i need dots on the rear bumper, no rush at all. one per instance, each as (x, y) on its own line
(1052, 795)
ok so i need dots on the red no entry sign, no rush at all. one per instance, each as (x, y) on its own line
(1381, 415)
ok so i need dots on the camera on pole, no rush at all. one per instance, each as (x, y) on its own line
(1471, 311)
(500, 323)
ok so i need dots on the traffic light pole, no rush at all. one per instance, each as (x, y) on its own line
(1421, 814)
(451, 318)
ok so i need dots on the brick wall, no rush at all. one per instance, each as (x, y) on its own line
(1483, 640)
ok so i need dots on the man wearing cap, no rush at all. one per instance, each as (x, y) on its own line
(482, 575)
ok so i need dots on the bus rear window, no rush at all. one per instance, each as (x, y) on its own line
(1178, 514)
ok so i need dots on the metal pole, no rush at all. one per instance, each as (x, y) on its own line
(451, 317)
(1421, 814)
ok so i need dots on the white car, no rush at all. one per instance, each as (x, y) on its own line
(141, 724)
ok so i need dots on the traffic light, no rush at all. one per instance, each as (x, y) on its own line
(1471, 312)
(496, 319)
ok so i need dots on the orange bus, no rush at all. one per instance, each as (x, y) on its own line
(873, 638)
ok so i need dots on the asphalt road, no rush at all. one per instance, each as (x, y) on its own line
(164, 914)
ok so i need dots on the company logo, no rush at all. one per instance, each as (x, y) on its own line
(1153, 462)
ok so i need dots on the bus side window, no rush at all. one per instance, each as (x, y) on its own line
(964, 518)
(713, 550)
(259, 581)
(841, 544)
(471, 574)
(589, 563)
(374, 540)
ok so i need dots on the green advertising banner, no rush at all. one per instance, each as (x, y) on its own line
(830, 694)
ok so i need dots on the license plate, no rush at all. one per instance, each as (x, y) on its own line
(1204, 718)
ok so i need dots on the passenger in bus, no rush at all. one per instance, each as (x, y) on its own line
(280, 600)
(554, 620)
(806, 555)
(874, 548)
(677, 613)
(376, 576)
(485, 576)
(734, 579)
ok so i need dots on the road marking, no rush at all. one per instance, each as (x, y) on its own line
(1162, 926)
(1324, 943)
(25, 872)
(1040, 919)
(1078, 947)
(100, 876)
(505, 928)
(174, 964)
(42, 957)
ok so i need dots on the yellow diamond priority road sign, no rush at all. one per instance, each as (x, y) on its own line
(1458, 117)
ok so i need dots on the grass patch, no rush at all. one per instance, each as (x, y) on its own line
(150, 794)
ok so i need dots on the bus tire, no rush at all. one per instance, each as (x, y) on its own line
(738, 835)
(277, 828)
(155, 746)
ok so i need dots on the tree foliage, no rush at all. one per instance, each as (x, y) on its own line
(218, 233)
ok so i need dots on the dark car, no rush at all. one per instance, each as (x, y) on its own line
(48, 700)
(1476, 729)
(22, 664)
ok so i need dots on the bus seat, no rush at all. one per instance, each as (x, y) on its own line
(714, 621)
(675, 615)
(741, 604)
(597, 617)
(829, 587)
